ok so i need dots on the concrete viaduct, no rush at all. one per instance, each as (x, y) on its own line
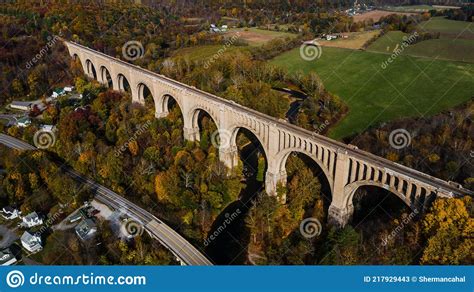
(345, 167)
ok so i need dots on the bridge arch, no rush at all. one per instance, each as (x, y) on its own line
(105, 76)
(90, 69)
(163, 100)
(123, 83)
(283, 155)
(145, 94)
(194, 116)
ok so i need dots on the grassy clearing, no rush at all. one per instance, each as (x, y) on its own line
(375, 15)
(257, 37)
(409, 8)
(456, 41)
(408, 87)
(448, 28)
(200, 53)
(355, 40)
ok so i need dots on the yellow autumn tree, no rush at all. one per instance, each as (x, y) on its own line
(449, 228)
(133, 147)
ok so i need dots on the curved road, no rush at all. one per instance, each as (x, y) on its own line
(12, 119)
(179, 246)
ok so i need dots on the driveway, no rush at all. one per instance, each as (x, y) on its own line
(8, 236)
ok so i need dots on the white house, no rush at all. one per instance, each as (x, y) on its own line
(23, 122)
(31, 242)
(68, 88)
(21, 105)
(48, 128)
(10, 212)
(7, 258)
(32, 220)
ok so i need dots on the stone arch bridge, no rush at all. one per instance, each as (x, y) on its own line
(345, 167)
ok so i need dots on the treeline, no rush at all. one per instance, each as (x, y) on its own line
(440, 145)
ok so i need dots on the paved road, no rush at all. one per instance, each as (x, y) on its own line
(179, 246)
(11, 118)
(8, 236)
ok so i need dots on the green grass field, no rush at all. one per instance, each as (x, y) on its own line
(256, 37)
(415, 8)
(456, 41)
(408, 87)
(204, 52)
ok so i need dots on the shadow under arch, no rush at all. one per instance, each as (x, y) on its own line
(291, 163)
(123, 83)
(105, 75)
(91, 69)
(230, 247)
(206, 123)
(145, 95)
(374, 203)
(77, 66)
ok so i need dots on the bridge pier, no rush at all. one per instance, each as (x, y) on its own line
(191, 134)
(338, 216)
(161, 115)
(229, 156)
(272, 180)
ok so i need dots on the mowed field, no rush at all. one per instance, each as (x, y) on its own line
(256, 37)
(408, 87)
(354, 40)
(253, 36)
(418, 8)
(200, 53)
(375, 15)
(456, 41)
